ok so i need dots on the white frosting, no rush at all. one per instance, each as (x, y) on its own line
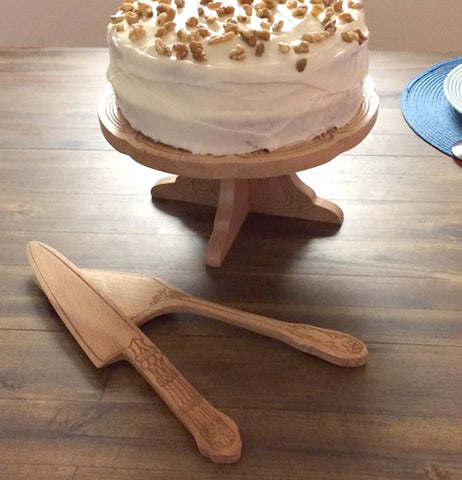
(223, 106)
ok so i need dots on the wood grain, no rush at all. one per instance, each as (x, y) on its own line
(392, 276)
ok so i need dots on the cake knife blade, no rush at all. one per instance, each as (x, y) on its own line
(106, 335)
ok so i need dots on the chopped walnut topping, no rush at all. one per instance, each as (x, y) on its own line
(314, 37)
(259, 48)
(300, 11)
(222, 11)
(192, 22)
(197, 51)
(302, 47)
(329, 13)
(301, 64)
(265, 13)
(165, 28)
(349, 36)
(237, 53)
(277, 27)
(263, 35)
(127, 7)
(131, 18)
(331, 27)
(248, 36)
(162, 18)
(247, 9)
(179, 3)
(291, 4)
(145, 9)
(170, 14)
(283, 47)
(203, 31)
(246, 2)
(338, 7)
(362, 36)
(214, 5)
(200, 11)
(225, 37)
(117, 18)
(211, 19)
(346, 17)
(356, 4)
(136, 32)
(161, 48)
(265, 25)
(181, 50)
(120, 27)
(270, 3)
(231, 27)
(183, 35)
(161, 8)
(316, 10)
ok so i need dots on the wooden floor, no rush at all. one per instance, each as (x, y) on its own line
(391, 275)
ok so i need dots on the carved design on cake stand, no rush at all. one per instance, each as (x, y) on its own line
(261, 182)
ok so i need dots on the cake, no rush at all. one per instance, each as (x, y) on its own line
(235, 76)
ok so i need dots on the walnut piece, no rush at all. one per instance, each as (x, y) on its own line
(302, 47)
(197, 51)
(237, 53)
(181, 50)
(259, 48)
(131, 18)
(277, 27)
(346, 17)
(301, 64)
(136, 32)
(225, 37)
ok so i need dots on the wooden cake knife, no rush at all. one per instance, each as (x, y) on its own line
(106, 335)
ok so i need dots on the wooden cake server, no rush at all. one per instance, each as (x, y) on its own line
(107, 335)
(141, 298)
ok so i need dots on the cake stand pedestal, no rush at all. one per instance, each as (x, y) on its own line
(261, 182)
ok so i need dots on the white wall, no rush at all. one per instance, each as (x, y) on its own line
(419, 25)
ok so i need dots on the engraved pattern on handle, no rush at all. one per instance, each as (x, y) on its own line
(309, 339)
(188, 401)
(335, 341)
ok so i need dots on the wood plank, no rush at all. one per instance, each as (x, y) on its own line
(47, 365)
(349, 177)
(385, 310)
(278, 443)
(36, 472)
(137, 214)
(129, 474)
(398, 380)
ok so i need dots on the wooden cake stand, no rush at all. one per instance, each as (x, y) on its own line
(262, 182)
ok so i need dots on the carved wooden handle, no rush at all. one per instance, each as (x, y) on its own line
(216, 435)
(333, 346)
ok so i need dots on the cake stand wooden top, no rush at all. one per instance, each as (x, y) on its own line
(259, 164)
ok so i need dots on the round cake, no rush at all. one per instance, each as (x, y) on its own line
(235, 76)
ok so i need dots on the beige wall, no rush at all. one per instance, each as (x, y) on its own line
(422, 25)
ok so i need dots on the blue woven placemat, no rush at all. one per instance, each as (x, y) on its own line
(428, 112)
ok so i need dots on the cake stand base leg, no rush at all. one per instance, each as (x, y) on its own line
(285, 196)
(288, 196)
